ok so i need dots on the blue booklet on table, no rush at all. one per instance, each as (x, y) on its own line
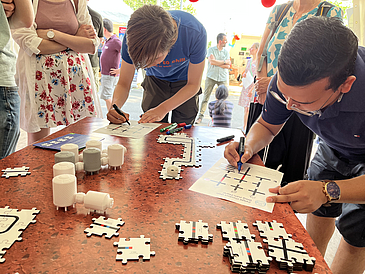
(74, 138)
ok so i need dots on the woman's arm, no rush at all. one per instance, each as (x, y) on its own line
(23, 15)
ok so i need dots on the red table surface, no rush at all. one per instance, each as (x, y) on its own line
(149, 206)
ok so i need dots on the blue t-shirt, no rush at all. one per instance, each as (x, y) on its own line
(341, 125)
(190, 46)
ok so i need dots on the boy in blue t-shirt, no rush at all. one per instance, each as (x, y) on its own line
(171, 46)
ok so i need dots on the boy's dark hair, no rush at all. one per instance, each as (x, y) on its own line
(108, 24)
(150, 31)
(316, 48)
(220, 37)
(221, 95)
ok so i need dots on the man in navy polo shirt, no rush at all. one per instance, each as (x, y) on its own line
(321, 76)
(171, 46)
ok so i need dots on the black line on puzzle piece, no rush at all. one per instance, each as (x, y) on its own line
(248, 251)
(10, 226)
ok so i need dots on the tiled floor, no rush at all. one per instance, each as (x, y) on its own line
(234, 92)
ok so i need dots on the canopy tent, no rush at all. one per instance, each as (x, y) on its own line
(115, 10)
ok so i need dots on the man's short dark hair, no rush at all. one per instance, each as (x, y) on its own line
(316, 48)
(108, 24)
(151, 30)
(220, 37)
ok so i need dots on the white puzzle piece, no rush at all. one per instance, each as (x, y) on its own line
(247, 257)
(102, 226)
(12, 225)
(235, 231)
(193, 232)
(133, 249)
(15, 172)
(272, 229)
(290, 255)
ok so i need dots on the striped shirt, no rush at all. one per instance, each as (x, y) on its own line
(221, 120)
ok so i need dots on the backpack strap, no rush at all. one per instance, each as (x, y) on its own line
(324, 8)
(282, 10)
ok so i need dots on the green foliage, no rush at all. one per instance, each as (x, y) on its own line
(166, 4)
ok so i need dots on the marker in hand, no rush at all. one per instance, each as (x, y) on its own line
(241, 151)
(120, 113)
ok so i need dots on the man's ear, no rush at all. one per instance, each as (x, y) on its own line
(346, 86)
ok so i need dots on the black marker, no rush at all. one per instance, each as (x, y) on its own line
(241, 151)
(120, 113)
(221, 140)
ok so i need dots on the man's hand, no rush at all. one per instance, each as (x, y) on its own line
(9, 7)
(304, 196)
(114, 71)
(261, 88)
(153, 115)
(86, 31)
(231, 154)
(115, 118)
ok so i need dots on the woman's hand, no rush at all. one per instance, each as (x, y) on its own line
(86, 31)
(9, 7)
(304, 196)
(261, 88)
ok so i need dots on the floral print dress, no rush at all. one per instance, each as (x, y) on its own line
(62, 89)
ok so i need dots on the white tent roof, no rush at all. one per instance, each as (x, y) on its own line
(115, 10)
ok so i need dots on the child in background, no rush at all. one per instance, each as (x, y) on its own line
(221, 110)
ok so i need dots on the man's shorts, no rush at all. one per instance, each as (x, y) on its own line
(326, 165)
(157, 91)
(107, 86)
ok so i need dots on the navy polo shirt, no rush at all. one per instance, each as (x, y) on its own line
(341, 125)
(190, 46)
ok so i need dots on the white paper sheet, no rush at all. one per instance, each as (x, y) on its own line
(134, 130)
(249, 187)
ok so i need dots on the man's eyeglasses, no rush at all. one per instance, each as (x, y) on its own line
(304, 112)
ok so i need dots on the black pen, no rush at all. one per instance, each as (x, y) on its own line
(120, 113)
(241, 151)
(221, 140)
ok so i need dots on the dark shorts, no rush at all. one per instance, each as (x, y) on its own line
(326, 165)
(157, 91)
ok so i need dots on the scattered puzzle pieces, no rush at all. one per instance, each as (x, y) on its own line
(193, 232)
(290, 255)
(12, 225)
(272, 230)
(15, 172)
(247, 257)
(235, 231)
(102, 226)
(133, 249)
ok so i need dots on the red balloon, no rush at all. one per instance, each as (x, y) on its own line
(193, 0)
(268, 3)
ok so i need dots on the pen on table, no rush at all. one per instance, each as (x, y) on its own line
(221, 140)
(241, 151)
(120, 113)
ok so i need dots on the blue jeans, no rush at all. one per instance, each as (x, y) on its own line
(9, 120)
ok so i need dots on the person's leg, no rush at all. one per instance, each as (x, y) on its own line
(35, 136)
(9, 120)
(348, 259)
(209, 85)
(107, 89)
(155, 91)
(320, 229)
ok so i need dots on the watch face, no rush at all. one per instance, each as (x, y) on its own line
(50, 34)
(333, 190)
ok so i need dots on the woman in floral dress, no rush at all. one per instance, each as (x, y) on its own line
(53, 68)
